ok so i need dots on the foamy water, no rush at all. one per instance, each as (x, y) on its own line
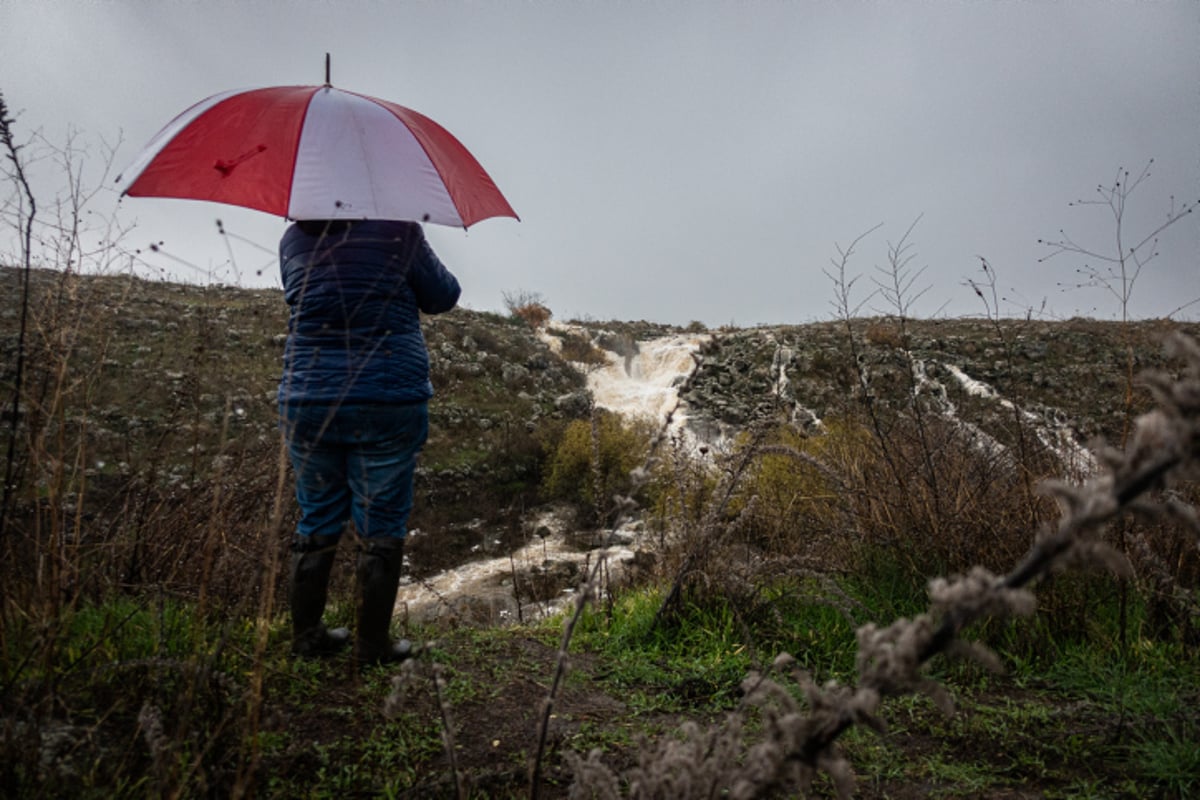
(483, 591)
(644, 383)
(1053, 434)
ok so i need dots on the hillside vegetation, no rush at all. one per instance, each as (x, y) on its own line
(840, 468)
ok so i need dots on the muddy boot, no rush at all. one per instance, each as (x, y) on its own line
(379, 563)
(312, 561)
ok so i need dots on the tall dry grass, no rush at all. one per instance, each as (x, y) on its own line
(139, 480)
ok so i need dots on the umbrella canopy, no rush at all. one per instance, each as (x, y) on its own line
(316, 152)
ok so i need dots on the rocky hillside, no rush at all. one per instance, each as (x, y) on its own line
(152, 384)
(159, 384)
(1071, 374)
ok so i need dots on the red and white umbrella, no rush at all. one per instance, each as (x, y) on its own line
(316, 152)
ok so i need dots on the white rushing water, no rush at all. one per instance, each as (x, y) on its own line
(483, 591)
(1054, 434)
(644, 382)
(803, 417)
(976, 436)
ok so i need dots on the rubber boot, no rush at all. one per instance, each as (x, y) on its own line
(379, 563)
(312, 561)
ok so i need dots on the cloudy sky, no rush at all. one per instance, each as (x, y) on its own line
(678, 161)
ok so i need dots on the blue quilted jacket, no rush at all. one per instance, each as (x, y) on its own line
(354, 290)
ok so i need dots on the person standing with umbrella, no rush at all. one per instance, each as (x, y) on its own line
(357, 174)
(353, 401)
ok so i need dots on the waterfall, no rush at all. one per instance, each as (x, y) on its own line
(646, 383)
(638, 379)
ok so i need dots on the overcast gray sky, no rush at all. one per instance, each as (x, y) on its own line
(674, 161)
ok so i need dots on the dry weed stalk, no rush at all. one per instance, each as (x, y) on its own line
(26, 219)
(713, 526)
(799, 743)
(413, 672)
(439, 686)
(583, 597)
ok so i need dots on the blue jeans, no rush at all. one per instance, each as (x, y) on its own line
(354, 461)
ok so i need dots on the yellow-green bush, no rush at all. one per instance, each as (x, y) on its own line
(794, 497)
(593, 460)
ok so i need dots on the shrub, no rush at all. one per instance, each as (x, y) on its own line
(796, 741)
(792, 505)
(882, 333)
(580, 350)
(528, 306)
(594, 459)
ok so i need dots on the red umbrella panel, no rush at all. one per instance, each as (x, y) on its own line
(316, 152)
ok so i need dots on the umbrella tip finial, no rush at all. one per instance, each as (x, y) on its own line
(327, 69)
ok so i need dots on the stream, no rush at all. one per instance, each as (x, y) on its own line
(637, 379)
(542, 575)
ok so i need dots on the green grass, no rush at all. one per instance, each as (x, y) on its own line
(1095, 719)
(1079, 713)
(695, 663)
(97, 636)
(1150, 692)
(710, 645)
(388, 760)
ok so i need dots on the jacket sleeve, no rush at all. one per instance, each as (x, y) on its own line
(436, 289)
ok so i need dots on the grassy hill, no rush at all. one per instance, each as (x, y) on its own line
(144, 646)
